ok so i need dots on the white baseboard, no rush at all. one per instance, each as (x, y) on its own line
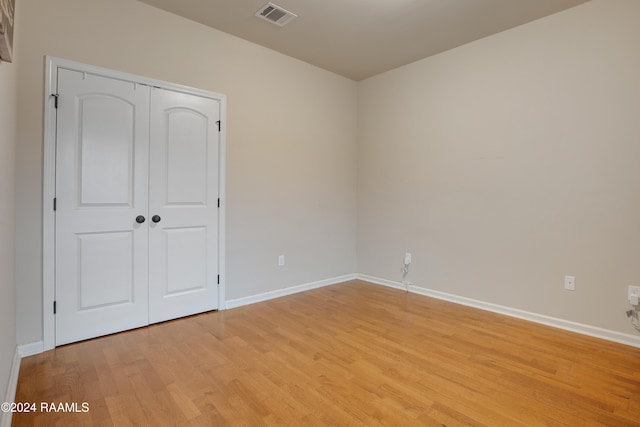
(287, 291)
(580, 328)
(383, 282)
(10, 395)
(30, 349)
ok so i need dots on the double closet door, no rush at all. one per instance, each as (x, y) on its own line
(137, 196)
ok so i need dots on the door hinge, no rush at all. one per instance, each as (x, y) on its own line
(218, 279)
(218, 123)
(218, 202)
(54, 307)
(55, 203)
(55, 100)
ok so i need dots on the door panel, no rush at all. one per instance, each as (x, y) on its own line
(183, 245)
(105, 263)
(186, 259)
(187, 143)
(102, 143)
(106, 150)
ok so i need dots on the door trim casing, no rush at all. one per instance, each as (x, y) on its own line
(52, 64)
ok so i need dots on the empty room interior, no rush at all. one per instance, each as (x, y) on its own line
(384, 212)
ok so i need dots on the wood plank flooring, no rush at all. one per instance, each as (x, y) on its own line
(348, 354)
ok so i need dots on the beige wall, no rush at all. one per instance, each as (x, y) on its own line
(8, 102)
(509, 162)
(291, 140)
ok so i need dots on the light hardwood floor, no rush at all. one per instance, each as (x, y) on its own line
(348, 354)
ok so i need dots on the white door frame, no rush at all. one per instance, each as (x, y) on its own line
(49, 179)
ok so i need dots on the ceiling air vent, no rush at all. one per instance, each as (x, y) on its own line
(275, 14)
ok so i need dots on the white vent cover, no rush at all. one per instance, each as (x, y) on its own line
(275, 14)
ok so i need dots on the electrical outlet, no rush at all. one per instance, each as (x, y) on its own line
(407, 258)
(570, 283)
(280, 260)
(634, 294)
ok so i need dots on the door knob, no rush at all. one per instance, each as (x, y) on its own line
(140, 219)
(156, 218)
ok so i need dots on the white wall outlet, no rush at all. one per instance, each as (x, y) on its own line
(407, 258)
(280, 260)
(570, 283)
(634, 295)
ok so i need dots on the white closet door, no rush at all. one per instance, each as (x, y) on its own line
(101, 187)
(183, 205)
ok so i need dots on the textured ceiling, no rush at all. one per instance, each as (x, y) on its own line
(362, 38)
